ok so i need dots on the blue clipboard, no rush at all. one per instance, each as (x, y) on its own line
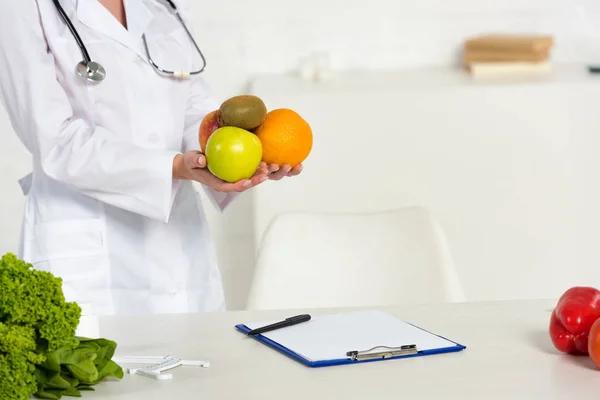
(383, 354)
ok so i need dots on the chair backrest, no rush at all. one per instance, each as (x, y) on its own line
(338, 260)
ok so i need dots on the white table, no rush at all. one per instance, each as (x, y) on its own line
(508, 356)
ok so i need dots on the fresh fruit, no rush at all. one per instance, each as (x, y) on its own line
(233, 154)
(286, 137)
(244, 111)
(570, 323)
(209, 124)
(594, 343)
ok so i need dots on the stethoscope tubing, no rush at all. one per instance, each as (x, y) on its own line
(67, 20)
(93, 71)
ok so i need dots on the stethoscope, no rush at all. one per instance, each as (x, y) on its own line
(95, 72)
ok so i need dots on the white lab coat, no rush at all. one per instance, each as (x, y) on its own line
(102, 211)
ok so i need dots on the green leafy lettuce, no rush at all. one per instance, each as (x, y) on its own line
(39, 352)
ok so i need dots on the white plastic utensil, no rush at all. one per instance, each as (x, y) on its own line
(158, 364)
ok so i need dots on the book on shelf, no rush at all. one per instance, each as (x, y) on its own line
(510, 43)
(501, 69)
(507, 55)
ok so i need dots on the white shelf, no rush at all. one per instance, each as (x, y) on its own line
(413, 79)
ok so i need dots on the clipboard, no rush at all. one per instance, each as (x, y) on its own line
(351, 338)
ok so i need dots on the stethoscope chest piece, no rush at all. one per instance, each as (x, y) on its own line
(92, 71)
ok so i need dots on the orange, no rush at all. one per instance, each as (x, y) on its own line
(286, 137)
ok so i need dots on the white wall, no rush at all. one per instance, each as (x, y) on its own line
(243, 38)
(509, 168)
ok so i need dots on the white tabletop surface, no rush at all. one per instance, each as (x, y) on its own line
(509, 356)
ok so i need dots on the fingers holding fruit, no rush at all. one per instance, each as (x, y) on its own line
(263, 170)
(277, 173)
(195, 160)
(260, 176)
(241, 136)
(207, 178)
(192, 166)
(296, 170)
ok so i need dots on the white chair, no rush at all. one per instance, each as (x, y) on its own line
(309, 260)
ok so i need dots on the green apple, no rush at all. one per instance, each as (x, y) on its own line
(233, 154)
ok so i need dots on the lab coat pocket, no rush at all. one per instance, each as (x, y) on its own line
(74, 251)
(61, 240)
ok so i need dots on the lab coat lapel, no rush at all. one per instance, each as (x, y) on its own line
(139, 17)
(94, 15)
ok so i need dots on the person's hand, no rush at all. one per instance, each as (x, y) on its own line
(192, 166)
(276, 172)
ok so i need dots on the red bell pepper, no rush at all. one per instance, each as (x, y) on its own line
(575, 313)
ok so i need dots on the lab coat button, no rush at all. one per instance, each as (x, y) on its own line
(154, 138)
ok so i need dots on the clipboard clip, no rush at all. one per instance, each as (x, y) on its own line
(384, 352)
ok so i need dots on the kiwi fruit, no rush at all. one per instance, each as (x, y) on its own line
(244, 111)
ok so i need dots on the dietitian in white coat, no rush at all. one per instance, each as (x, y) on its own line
(103, 211)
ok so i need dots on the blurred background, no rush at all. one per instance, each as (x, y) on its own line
(504, 156)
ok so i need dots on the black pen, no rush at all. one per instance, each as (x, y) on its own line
(594, 69)
(282, 324)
